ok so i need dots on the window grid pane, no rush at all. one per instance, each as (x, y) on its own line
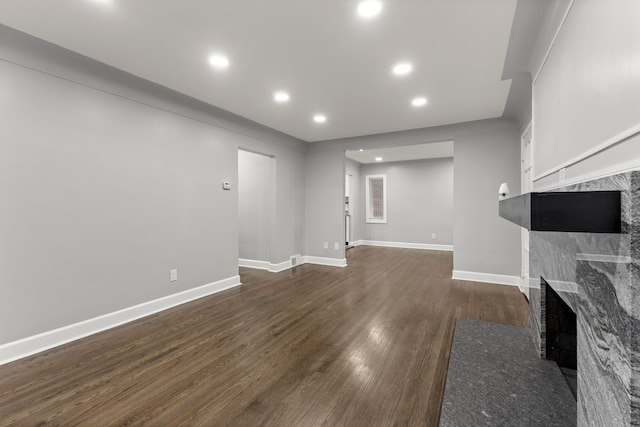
(377, 197)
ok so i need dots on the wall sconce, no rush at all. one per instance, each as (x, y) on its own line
(503, 192)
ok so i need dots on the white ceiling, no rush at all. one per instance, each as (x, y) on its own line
(399, 154)
(322, 53)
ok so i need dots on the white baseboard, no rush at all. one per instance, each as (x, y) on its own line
(285, 265)
(31, 345)
(334, 262)
(269, 266)
(252, 263)
(499, 279)
(405, 245)
(281, 266)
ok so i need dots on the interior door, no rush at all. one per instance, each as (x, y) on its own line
(526, 180)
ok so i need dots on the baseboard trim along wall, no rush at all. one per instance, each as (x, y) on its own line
(285, 265)
(266, 265)
(404, 245)
(47, 340)
(334, 262)
(252, 263)
(498, 279)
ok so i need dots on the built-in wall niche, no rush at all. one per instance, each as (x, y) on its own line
(561, 335)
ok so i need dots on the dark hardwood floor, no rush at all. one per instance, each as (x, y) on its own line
(366, 345)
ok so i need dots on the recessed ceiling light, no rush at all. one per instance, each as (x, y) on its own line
(378, 159)
(362, 149)
(369, 8)
(219, 61)
(402, 68)
(281, 96)
(419, 102)
(319, 118)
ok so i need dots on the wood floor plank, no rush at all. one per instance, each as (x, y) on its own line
(365, 345)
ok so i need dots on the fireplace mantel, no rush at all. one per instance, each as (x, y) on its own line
(571, 211)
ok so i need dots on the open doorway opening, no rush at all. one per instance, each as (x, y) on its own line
(415, 198)
(255, 202)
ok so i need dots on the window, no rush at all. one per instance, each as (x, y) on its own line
(376, 198)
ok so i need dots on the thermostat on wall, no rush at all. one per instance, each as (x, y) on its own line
(226, 185)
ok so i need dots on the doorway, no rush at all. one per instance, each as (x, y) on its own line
(255, 202)
(347, 210)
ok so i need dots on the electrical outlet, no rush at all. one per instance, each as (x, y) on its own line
(336, 246)
(173, 274)
(433, 235)
(326, 245)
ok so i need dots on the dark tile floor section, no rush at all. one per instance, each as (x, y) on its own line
(495, 378)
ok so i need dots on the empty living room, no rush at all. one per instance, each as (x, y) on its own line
(344, 213)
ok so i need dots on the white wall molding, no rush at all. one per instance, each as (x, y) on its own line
(285, 265)
(498, 279)
(602, 173)
(269, 266)
(35, 344)
(405, 245)
(252, 263)
(334, 262)
(282, 266)
(623, 136)
(553, 43)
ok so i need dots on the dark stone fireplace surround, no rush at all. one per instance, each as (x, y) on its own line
(598, 276)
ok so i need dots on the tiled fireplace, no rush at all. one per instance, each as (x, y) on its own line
(598, 276)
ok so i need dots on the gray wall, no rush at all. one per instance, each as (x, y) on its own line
(108, 182)
(255, 191)
(484, 242)
(477, 176)
(419, 202)
(324, 213)
(587, 95)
